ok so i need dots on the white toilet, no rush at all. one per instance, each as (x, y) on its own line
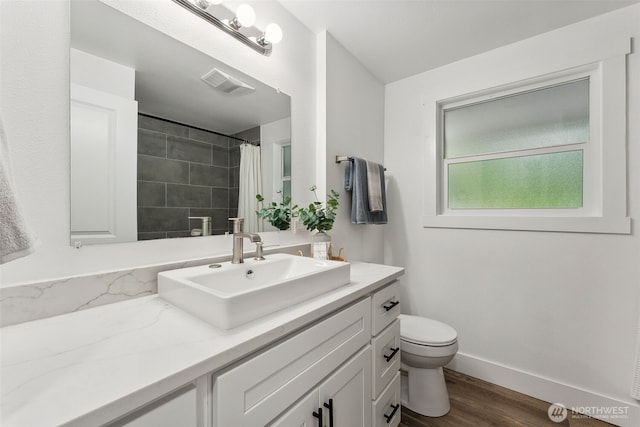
(425, 347)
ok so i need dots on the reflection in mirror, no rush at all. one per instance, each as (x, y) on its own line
(156, 134)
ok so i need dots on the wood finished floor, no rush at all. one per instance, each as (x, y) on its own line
(477, 403)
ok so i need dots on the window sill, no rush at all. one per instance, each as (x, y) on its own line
(603, 225)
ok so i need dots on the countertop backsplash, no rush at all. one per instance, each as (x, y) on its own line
(32, 301)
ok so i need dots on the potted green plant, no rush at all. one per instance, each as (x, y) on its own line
(320, 217)
(278, 215)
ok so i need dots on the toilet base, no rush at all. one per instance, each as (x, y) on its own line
(424, 391)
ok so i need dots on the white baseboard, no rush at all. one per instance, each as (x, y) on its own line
(548, 390)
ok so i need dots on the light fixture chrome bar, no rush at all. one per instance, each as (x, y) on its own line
(262, 49)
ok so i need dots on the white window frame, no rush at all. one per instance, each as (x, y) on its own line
(604, 184)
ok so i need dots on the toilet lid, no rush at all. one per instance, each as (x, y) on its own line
(423, 331)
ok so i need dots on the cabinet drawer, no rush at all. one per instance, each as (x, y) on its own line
(385, 307)
(386, 356)
(256, 391)
(386, 408)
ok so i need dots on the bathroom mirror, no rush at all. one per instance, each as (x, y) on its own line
(156, 130)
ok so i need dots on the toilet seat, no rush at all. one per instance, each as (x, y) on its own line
(428, 350)
(426, 332)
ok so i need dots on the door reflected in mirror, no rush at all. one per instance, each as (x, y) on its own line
(156, 130)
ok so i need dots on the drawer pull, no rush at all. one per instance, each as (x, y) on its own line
(329, 406)
(390, 305)
(393, 353)
(318, 415)
(390, 416)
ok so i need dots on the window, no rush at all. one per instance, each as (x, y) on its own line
(523, 150)
(545, 153)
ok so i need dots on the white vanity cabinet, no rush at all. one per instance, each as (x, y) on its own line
(331, 350)
(385, 343)
(342, 371)
(316, 365)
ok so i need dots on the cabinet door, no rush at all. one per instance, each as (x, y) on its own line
(301, 414)
(346, 395)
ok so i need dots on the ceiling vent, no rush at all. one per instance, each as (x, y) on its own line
(226, 83)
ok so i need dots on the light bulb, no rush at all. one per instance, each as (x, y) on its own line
(245, 15)
(273, 33)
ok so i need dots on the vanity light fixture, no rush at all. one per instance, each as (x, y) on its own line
(238, 25)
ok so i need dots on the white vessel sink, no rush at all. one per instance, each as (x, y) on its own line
(233, 294)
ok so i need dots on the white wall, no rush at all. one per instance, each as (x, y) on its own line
(354, 118)
(35, 110)
(551, 314)
(101, 74)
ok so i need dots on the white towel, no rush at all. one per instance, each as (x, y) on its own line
(374, 187)
(15, 238)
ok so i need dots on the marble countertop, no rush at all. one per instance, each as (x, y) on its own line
(89, 367)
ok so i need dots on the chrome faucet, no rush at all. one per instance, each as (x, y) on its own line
(238, 239)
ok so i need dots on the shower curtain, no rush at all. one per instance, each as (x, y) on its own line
(250, 185)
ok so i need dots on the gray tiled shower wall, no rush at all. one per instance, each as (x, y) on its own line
(183, 172)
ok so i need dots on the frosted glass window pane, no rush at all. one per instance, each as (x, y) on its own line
(286, 160)
(540, 181)
(552, 116)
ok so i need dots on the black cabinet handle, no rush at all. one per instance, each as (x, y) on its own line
(390, 416)
(393, 353)
(390, 305)
(329, 406)
(318, 415)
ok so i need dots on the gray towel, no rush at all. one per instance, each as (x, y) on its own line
(374, 186)
(355, 181)
(15, 239)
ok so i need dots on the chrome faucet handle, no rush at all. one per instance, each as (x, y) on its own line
(259, 253)
(206, 224)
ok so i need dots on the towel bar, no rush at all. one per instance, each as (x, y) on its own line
(340, 159)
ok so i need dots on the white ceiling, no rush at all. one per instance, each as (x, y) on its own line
(394, 39)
